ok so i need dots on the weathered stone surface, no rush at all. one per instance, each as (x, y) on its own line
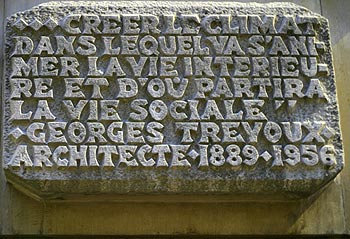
(170, 98)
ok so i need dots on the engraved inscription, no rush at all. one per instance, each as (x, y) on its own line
(216, 74)
(191, 91)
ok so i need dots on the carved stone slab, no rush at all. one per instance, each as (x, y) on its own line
(169, 98)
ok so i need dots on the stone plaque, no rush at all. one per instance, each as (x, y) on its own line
(169, 98)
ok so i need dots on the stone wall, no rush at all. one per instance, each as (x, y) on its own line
(325, 213)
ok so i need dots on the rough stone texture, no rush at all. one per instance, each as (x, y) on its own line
(267, 178)
(325, 214)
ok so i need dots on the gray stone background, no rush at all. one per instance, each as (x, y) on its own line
(327, 213)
